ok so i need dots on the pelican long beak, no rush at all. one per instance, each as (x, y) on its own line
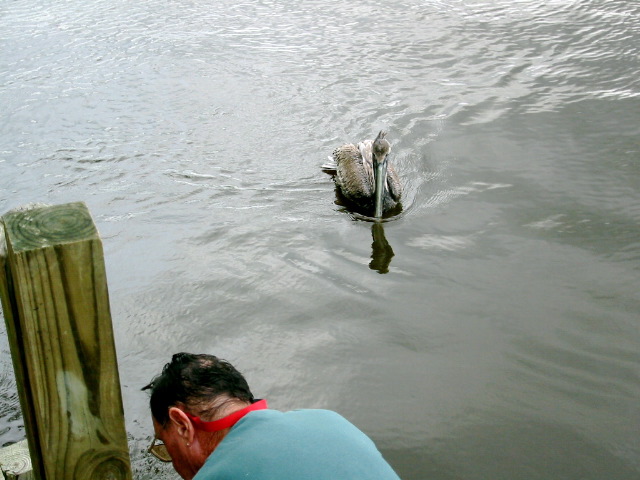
(381, 180)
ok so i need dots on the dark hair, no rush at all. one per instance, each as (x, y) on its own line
(195, 381)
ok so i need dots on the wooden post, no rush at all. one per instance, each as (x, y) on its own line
(56, 306)
(15, 462)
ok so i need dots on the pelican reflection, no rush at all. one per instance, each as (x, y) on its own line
(381, 251)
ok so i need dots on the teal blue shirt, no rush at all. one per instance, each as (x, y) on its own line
(301, 445)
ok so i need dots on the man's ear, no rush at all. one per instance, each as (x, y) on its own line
(183, 425)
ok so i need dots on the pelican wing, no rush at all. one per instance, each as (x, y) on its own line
(354, 173)
(393, 184)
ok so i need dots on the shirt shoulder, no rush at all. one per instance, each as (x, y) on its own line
(299, 444)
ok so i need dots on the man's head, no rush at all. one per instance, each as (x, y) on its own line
(197, 383)
(200, 385)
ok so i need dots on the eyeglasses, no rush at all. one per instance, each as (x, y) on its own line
(159, 450)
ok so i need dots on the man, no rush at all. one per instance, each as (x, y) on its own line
(209, 425)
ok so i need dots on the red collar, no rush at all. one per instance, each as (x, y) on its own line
(228, 421)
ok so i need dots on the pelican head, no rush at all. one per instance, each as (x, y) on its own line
(380, 152)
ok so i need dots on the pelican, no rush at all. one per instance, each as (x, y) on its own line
(364, 177)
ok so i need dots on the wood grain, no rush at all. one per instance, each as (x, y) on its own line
(62, 344)
(15, 462)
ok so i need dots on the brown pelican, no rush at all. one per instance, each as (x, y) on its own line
(364, 177)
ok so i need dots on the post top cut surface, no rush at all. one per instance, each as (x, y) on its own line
(42, 227)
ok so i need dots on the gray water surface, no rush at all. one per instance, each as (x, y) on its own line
(489, 331)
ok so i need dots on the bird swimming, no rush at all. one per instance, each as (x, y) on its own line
(364, 176)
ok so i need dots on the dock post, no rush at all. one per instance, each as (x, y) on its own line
(56, 306)
(15, 462)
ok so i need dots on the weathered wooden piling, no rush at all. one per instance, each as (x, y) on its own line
(56, 306)
(15, 463)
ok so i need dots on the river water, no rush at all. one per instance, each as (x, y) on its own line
(489, 331)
